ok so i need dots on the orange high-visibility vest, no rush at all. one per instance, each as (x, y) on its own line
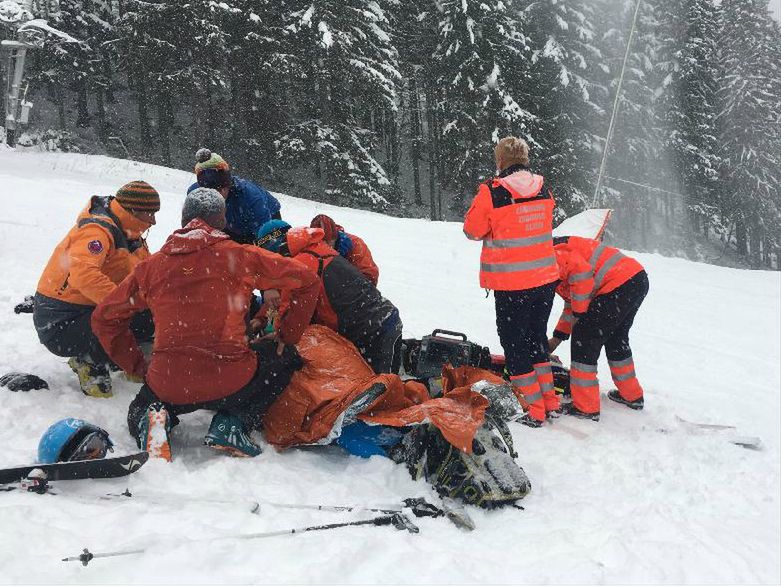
(588, 268)
(513, 216)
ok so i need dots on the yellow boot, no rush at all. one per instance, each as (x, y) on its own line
(94, 380)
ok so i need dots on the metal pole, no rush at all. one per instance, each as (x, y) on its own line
(615, 106)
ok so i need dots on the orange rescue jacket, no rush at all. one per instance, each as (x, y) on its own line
(588, 268)
(513, 215)
(97, 254)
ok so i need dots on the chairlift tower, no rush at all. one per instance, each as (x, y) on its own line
(24, 27)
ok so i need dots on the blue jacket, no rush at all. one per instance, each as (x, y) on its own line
(247, 208)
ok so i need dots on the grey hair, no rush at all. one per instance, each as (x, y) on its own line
(202, 202)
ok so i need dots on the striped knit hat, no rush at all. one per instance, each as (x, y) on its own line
(138, 196)
(211, 169)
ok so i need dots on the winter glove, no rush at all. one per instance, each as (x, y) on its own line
(343, 244)
(21, 381)
(25, 306)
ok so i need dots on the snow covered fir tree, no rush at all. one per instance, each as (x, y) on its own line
(390, 104)
(390, 292)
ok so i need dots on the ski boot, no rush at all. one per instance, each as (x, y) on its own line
(94, 379)
(637, 404)
(530, 421)
(226, 433)
(154, 432)
(570, 409)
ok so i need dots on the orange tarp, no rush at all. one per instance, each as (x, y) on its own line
(335, 374)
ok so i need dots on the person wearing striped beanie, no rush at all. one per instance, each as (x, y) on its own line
(140, 199)
(97, 254)
(247, 205)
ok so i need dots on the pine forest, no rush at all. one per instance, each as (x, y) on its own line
(395, 105)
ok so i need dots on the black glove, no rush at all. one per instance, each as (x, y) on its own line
(25, 306)
(21, 381)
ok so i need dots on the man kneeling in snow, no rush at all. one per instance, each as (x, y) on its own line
(198, 288)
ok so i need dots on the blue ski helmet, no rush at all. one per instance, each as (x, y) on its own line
(72, 439)
(271, 235)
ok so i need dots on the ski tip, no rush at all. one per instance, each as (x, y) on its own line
(748, 442)
(461, 522)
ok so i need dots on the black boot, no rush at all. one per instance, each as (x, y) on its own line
(570, 409)
(530, 421)
(637, 404)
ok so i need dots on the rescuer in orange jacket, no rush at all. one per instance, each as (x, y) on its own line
(513, 216)
(351, 247)
(90, 262)
(602, 290)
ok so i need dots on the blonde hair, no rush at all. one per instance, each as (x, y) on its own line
(511, 151)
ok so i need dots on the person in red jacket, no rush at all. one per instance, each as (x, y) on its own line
(602, 290)
(198, 289)
(513, 216)
(351, 247)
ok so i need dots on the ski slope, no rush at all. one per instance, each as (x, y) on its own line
(635, 498)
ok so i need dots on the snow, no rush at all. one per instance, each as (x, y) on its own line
(635, 498)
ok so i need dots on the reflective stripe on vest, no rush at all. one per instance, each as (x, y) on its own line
(518, 242)
(512, 267)
(609, 264)
(598, 275)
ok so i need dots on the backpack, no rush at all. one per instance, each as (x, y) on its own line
(425, 358)
(489, 477)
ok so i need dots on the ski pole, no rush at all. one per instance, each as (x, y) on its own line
(419, 507)
(397, 520)
(254, 506)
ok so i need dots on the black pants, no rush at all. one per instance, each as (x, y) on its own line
(608, 321)
(522, 323)
(384, 353)
(65, 329)
(249, 403)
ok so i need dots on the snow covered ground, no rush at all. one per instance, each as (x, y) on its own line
(635, 498)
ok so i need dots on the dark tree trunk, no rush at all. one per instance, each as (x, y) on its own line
(432, 155)
(101, 113)
(393, 148)
(82, 109)
(164, 124)
(237, 123)
(414, 110)
(755, 238)
(143, 111)
(109, 91)
(741, 238)
(60, 97)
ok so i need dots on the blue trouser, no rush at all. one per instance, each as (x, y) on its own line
(364, 440)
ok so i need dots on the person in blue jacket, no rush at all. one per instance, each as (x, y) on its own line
(247, 205)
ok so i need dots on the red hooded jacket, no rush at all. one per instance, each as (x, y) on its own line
(198, 287)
